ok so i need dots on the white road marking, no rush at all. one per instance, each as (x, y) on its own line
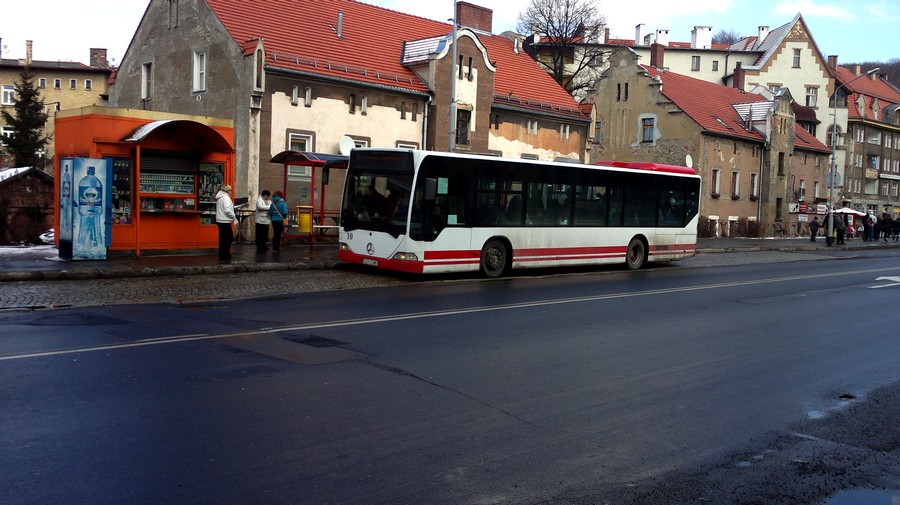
(443, 313)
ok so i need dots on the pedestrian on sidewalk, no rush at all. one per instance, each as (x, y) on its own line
(278, 214)
(263, 220)
(225, 219)
(840, 226)
(814, 229)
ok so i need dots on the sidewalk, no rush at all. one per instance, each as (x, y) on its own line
(43, 263)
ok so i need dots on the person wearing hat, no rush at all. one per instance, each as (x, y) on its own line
(225, 219)
(278, 212)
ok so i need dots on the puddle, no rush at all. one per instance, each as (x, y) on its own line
(865, 497)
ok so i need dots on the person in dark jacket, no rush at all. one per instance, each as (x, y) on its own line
(814, 229)
(840, 226)
(278, 212)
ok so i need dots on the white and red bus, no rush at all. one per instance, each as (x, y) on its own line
(429, 212)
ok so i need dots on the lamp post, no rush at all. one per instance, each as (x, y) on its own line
(829, 228)
(451, 142)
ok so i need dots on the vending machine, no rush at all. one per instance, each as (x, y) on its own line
(85, 209)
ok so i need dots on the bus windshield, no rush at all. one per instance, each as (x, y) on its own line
(377, 192)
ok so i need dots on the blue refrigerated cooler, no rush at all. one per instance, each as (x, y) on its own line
(85, 208)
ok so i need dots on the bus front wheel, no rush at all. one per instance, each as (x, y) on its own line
(636, 254)
(494, 258)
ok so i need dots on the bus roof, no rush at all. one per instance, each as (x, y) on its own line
(653, 167)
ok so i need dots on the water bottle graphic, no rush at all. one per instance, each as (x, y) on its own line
(90, 209)
(65, 198)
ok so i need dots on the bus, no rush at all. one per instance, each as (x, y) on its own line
(432, 212)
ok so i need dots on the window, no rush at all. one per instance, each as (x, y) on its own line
(647, 130)
(860, 135)
(715, 65)
(352, 103)
(57, 83)
(364, 105)
(300, 142)
(811, 94)
(42, 82)
(780, 163)
(715, 183)
(463, 120)
(469, 74)
(199, 71)
(834, 136)
(88, 84)
(618, 92)
(173, 13)
(73, 83)
(598, 131)
(307, 97)
(626, 91)
(817, 189)
(146, 81)
(695, 63)
(459, 68)
(9, 94)
(796, 58)
(754, 186)
(735, 185)
(802, 190)
(402, 110)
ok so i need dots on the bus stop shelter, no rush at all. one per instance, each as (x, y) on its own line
(309, 220)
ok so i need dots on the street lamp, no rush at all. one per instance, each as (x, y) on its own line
(829, 229)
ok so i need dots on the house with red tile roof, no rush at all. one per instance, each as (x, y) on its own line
(758, 166)
(308, 74)
(867, 140)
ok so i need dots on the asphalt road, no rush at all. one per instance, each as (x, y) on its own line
(743, 383)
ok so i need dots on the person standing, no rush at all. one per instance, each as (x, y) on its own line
(840, 226)
(225, 219)
(278, 212)
(814, 229)
(263, 220)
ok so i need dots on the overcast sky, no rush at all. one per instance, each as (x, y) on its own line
(862, 30)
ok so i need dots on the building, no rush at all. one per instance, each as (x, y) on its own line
(758, 166)
(343, 70)
(867, 152)
(26, 205)
(62, 85)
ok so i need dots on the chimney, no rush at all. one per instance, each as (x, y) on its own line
(662, 37)
(28, 52)
(657, 55)
(606, 35)
(701, 37)
(98, 58)
(763, 33)
(832, 61)
(857, 70)
(638, 38)
(340, 24)
(739, 76)
(474, 16)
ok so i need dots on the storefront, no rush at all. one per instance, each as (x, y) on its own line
(166, 170)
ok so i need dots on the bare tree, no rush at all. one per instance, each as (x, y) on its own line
(729, 36)
(563, 38)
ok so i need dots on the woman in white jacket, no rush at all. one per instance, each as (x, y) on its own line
(262, 220)
(225, 219)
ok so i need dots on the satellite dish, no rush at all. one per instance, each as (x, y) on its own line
(346, 145)
(688, 161)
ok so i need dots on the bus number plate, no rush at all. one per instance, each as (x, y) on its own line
(370, 261)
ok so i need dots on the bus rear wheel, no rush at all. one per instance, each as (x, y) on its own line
(636, 254)
(494, 258)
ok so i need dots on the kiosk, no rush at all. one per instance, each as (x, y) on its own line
(166, 170)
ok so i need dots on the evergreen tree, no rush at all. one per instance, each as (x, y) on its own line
(28, 138)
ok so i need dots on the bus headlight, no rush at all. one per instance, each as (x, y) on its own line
(344, 246)
(405, 256)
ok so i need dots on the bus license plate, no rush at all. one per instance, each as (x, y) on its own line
(370, 262)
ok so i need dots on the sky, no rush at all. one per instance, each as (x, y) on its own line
(863, 30)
